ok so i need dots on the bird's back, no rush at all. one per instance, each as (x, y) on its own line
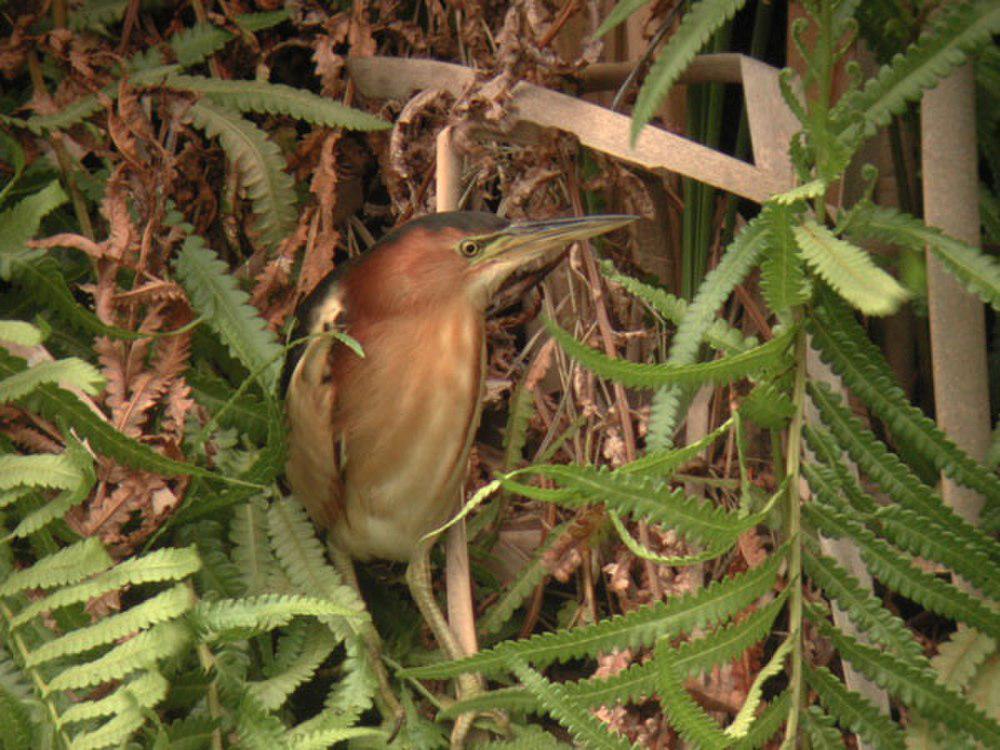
(401, 422)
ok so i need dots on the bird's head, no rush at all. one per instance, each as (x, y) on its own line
(464, 255)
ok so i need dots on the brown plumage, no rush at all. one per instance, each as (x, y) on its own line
(397, 425)
(379, 444)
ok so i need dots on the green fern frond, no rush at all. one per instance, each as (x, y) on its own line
(96, 15)
(167, 564)
(293, 539)
(726, 643)
(61, 406)
(44, 279)
(719, 334)
(853, 711)
(294, 543)
(771, 719)
(864, 609)
(622, 10)
(895, 571)
(72, 471)
(322, 738)
(260, 164)
(68, 565)
(806, 191)
(317, 644)
(783, 279)
(849, 270)
(146, 690)
(687, 717)
(744, 720)
(69, 372)
(959, 658)
(916, 687)
(960, 661)
(642, 498)
(528, 579)
(927, 539)
(276, 98)
(961, 29)
(767, 356)
(251, 551)
(885, 468)
(697, 26)
(829, 472)
(195, 44)
(20, 333)
(77, 111)
(735, 264)
(227, 310)
(768, 405)
(20, 223)
(979, 272)
(661, 464)
(55, 508)
(167, 605)
(645, 553)
(260, 21)
(822, 730)
(259, 613)
(844, 345)
(143, 651)
(256, 728)
(189, 732)
(582, 724)
(511, 699)
(522, 408)
(355, 691)
(526, 737)
(715, 603)
(111, 733)
(17, 722)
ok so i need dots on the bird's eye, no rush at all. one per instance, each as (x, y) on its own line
(468, 248)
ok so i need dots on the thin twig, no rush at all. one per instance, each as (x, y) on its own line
(621, 397)
(568, 9)
(644, 60)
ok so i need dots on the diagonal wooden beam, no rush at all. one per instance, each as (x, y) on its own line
(601, 129)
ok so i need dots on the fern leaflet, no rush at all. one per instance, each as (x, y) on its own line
(697, 26)
(849, 270)
(715, 603)
(276, 98)
(260, 165)
(226, 308)
(769, 356)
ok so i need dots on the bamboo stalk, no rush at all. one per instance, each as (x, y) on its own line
(957, 321)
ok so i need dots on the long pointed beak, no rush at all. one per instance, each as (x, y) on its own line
(569, 229)
(524, 242)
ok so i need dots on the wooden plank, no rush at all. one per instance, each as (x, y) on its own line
(595, 127)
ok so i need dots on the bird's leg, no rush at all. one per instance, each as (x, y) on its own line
(388, 704)
(418, 578)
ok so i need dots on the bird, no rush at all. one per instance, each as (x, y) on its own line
(385, 395)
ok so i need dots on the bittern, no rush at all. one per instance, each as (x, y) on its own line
(379, 444)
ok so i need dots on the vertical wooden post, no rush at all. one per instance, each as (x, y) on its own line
(461, 615)
(957, 321)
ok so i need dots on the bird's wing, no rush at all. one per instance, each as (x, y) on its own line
(316, 450)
